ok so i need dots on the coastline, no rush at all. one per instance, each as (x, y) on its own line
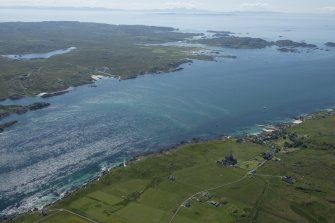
(312, 29)
(173, 67)
(261, 137)
(8, 110)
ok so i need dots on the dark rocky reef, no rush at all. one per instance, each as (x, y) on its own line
(288, 50)
(37, 106)
(229, 56)
(48, 95)
(330, 44)
(7, 110)
(7, 125)
(15, 97)
(220, 33)
(290, 43)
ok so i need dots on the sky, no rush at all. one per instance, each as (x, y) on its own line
(303, 6)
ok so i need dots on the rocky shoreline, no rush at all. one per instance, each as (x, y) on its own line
(227, 40)
(330, 44)
(7, 110)
(269, 133)
(6, 125)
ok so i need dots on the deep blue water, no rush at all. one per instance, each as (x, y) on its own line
(53, 150)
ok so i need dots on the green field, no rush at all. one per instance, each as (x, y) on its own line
(109, 50)
(143, 192)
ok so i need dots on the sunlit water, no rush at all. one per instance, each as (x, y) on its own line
(54, 150)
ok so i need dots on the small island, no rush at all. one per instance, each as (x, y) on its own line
(227, 40)
(330, 44)
(220, 33)
(6, 125)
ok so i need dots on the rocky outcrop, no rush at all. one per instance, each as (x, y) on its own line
(48, 95)
(236, 42)
(7, 110)
(7, 125)
(38, 105)
(330, 44)
(288, 50)
(290, 43)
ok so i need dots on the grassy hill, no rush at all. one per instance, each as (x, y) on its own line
(186, 185)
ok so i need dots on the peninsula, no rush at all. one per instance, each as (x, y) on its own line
(52, 56)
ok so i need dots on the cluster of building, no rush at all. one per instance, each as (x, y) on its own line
(229, 160)
(288, 179)
(216, 204)
(172, 178)
(204, 197)
(268, 155)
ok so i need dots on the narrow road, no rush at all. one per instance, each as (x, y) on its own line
(263, 175)
(42, 219)
(65, 210)
(214, 188)
(180, 206)
(81, 216)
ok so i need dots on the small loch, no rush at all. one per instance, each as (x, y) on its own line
(35, 56)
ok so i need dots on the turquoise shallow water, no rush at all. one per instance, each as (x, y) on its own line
(54, 150)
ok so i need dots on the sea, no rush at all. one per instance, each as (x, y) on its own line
(53, 151)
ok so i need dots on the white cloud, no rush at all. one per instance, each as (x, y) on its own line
(329, 8)
(255, 5)
(182, 4)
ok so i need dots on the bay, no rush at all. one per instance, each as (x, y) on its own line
(55, 150)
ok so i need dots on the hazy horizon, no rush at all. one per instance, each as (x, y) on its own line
(295, 6)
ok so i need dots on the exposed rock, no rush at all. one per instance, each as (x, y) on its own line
(22, 111)
(48, 95)
(220, 33)
(290, 43)
(15, 97)
(38, 105)
(229, 56)
(7, 110)
(330, 44)
(237, 42)
(288, 50)
(7, 125)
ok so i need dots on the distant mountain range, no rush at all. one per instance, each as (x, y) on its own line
(162, 11)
